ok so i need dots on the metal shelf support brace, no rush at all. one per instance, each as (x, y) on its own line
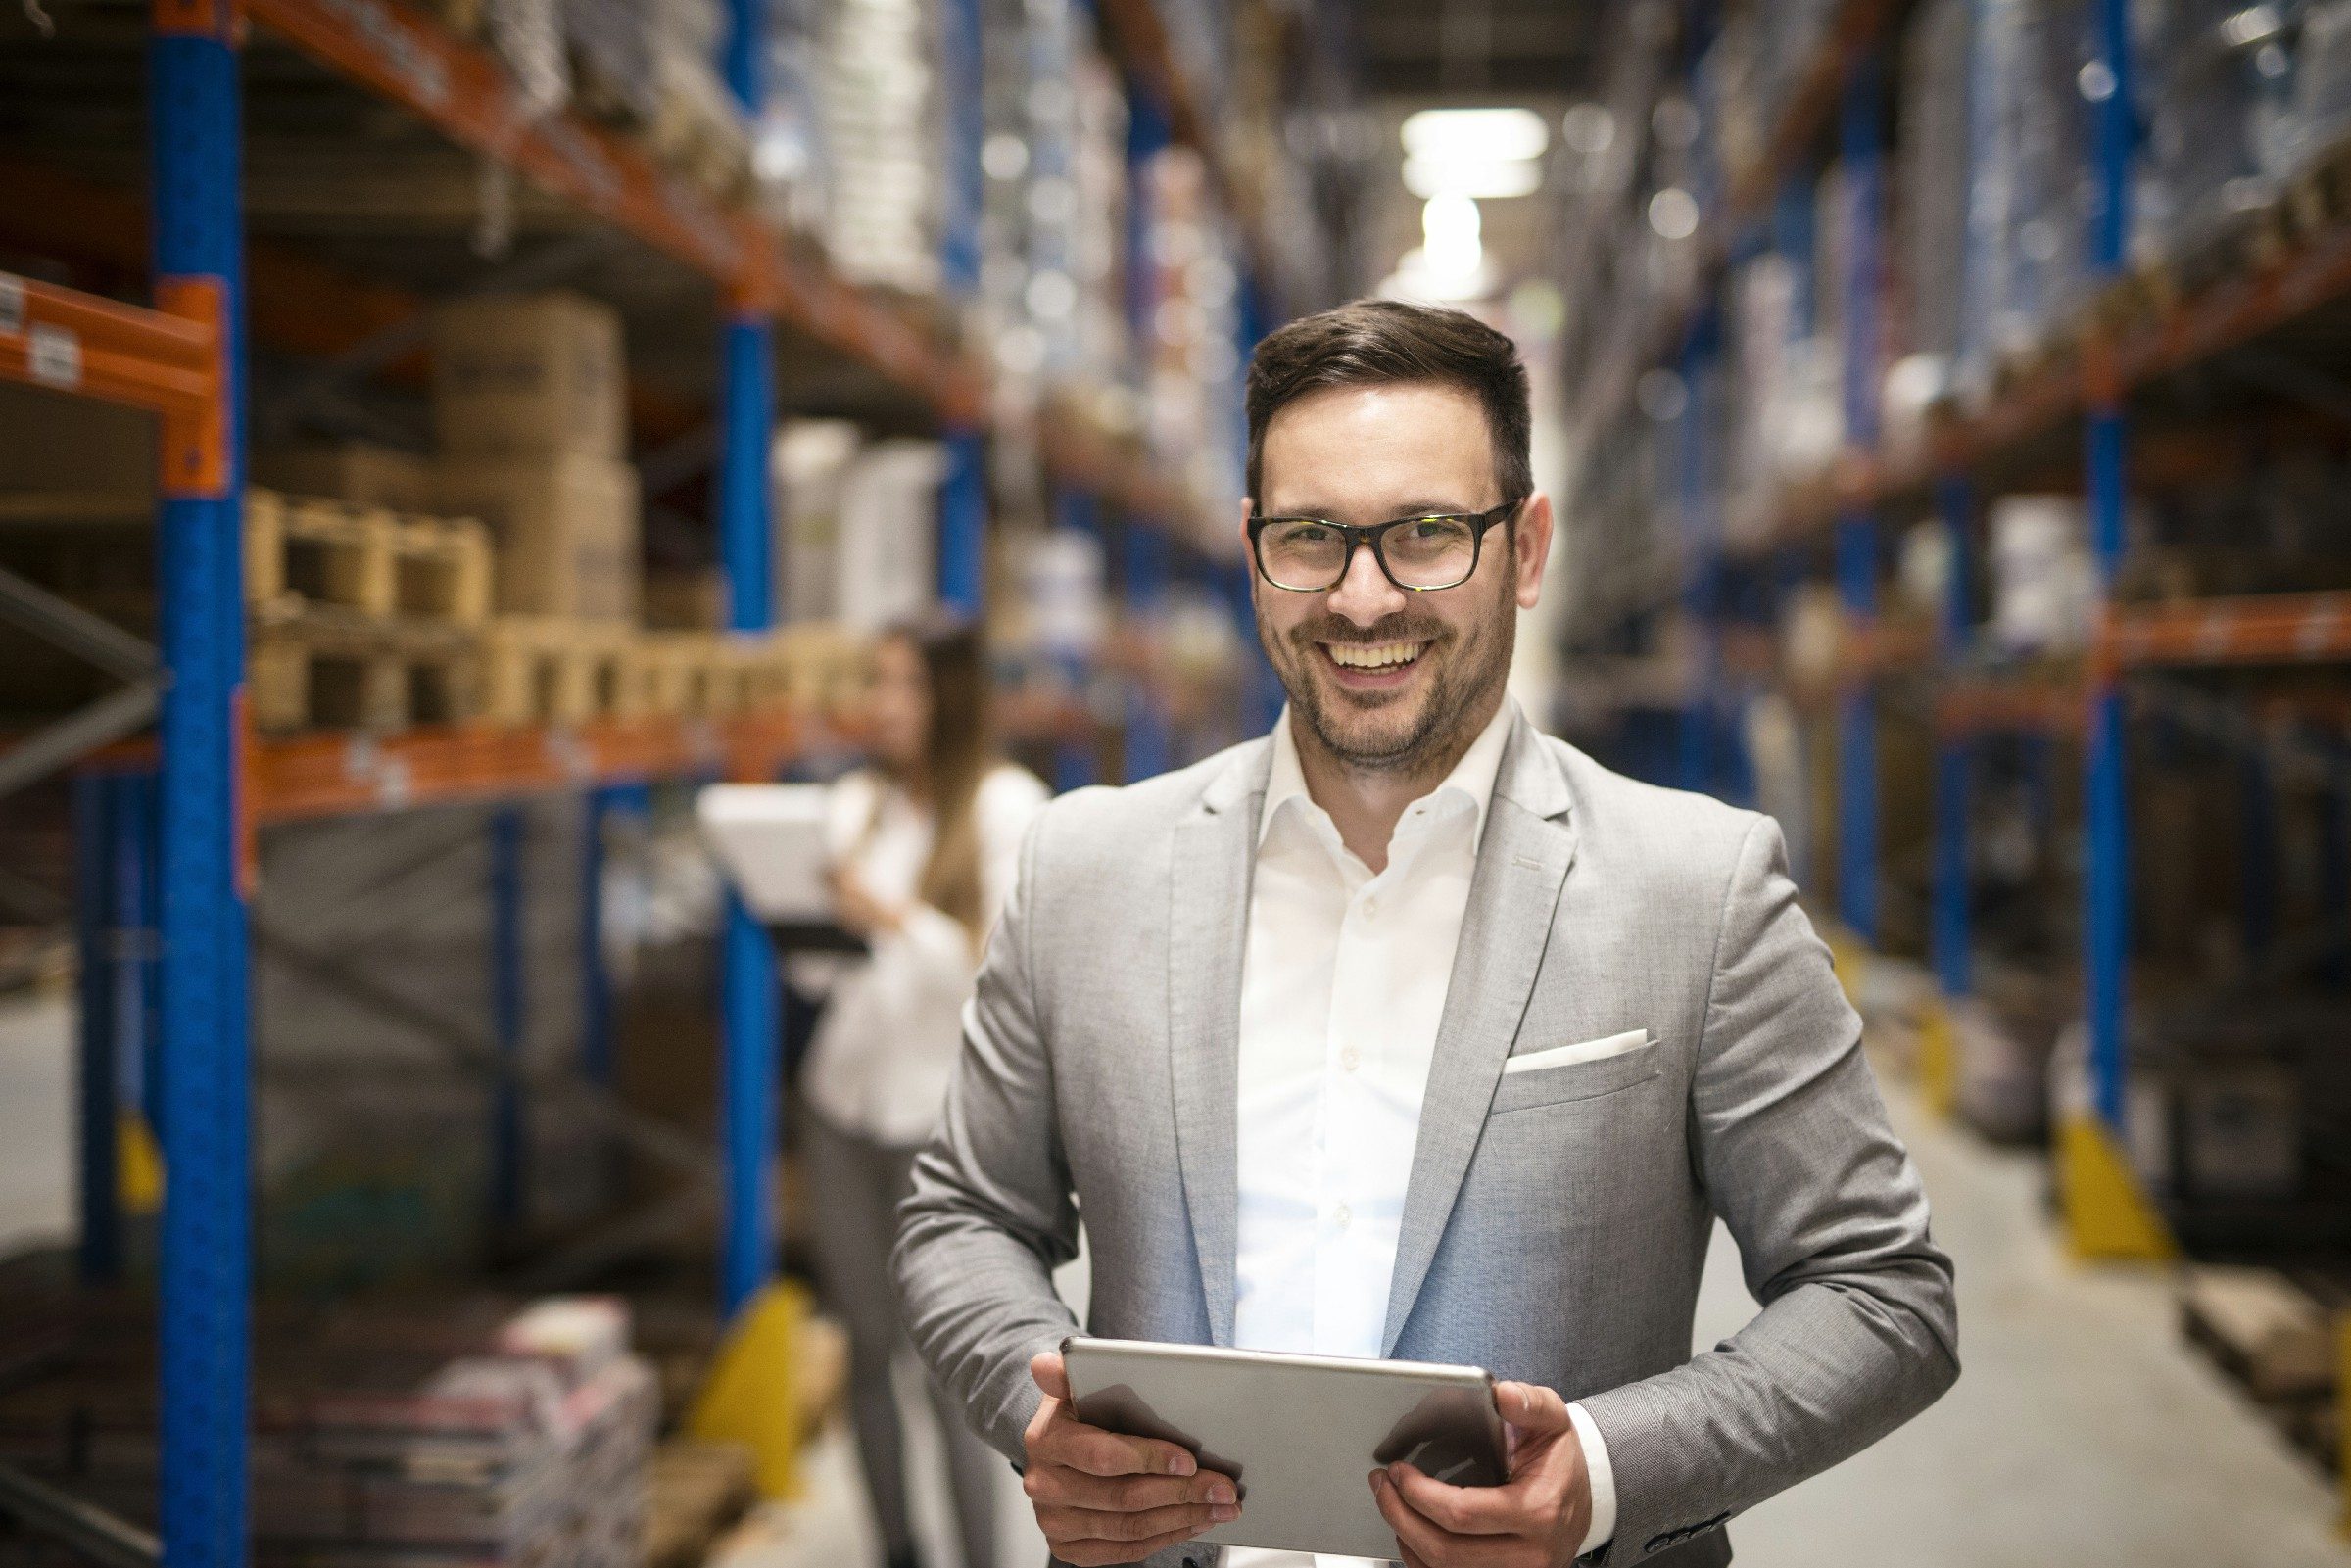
(751, 1005)
(1862, 137)
(206, 1252)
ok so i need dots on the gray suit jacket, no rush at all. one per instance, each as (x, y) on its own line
(1556, 1219)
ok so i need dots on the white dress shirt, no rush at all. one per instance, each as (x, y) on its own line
(1342, 987)
(893, 1026)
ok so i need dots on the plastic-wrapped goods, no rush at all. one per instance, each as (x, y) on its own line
(528, 35)
(1192, 370)
(885, 197)
(787, 150)
(2321, 116)
(1929, 195)
(2043, 583)
(2030, 202)
(1053, 298)
(2216, 93)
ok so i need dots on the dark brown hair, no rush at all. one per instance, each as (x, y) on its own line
(958, 750)
(1371, 343)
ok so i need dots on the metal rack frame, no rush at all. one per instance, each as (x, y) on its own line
(210, 785)
(2105, 1213)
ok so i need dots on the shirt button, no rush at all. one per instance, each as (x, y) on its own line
(1371, 907)
(1351, 1059)
(1340, 1215)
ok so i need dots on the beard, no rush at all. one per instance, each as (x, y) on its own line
(1409, 732)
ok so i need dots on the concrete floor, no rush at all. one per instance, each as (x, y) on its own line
(2083, 1434)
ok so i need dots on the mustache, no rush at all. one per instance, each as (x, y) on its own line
(1394, 629)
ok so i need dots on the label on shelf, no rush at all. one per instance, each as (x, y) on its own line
(53, 355)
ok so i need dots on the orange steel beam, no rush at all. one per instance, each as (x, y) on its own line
(75, 341)
(301, 776)
(2258, 629)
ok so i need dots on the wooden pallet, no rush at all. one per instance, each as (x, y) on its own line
(338, 668)
(684, 673)
(305, 552)
(2264, 1330)
(545, 669)
(694, 1492)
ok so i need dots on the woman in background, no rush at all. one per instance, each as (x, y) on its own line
(926, 843)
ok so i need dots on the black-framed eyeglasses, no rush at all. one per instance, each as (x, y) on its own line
(1420, 554)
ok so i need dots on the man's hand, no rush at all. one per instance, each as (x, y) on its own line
(1537, 1519)
(1104, 1497)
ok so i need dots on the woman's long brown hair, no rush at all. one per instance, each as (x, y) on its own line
(958, 750)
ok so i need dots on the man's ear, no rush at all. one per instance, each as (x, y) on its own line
(1531, 535)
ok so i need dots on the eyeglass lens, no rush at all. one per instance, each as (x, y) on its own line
(1303, 552)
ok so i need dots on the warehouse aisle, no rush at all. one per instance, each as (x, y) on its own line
(2083, 1434)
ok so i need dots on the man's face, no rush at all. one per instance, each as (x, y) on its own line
(1387, 679)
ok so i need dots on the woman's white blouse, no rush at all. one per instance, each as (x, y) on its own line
(891, 1032)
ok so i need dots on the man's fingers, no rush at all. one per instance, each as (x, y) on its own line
(1088, 1524)
(1458, 1510)
(1532, 1408)
(1045, 1370)
(1058, 1486)
(1413, 1534)
(1097, 1452)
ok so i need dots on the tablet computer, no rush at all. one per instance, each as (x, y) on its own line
(1300, 1435)
(770, 841)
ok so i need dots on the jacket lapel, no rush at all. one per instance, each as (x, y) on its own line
(1207, 933)
(1523, 863)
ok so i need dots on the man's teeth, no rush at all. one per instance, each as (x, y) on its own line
(1373, 655)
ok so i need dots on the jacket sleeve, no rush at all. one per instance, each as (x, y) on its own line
(992, 1216)
(1857, 1332)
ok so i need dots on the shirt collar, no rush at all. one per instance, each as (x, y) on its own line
(1471, 778)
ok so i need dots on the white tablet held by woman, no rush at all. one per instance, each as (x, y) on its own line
(1300, 1435)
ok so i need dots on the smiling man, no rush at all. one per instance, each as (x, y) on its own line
(1408, 1031)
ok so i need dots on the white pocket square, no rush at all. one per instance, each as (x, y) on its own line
(1561, 1056)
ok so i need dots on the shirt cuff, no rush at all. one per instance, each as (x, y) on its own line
(1604, 1481)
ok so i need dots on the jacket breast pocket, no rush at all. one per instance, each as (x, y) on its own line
(1576, 1079)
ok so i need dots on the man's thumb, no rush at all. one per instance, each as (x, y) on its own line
(1531, 1408)
(1045, 1367)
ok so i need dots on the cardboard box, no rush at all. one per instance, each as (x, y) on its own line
(565, 531)
(356, 471)
(540, 373)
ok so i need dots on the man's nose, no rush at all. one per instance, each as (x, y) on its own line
(1365, 596)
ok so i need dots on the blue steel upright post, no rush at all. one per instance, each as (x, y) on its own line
(1948, 934)
(963, 494)
(206, 1251)
(2107, 1215)
(2107, 869)
(1142, 548)
(1861, 142)
(749, 1001)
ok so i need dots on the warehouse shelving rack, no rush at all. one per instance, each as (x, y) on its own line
(210, 785)
(2123, 345)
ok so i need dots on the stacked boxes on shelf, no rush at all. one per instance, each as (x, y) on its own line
(530, 405)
